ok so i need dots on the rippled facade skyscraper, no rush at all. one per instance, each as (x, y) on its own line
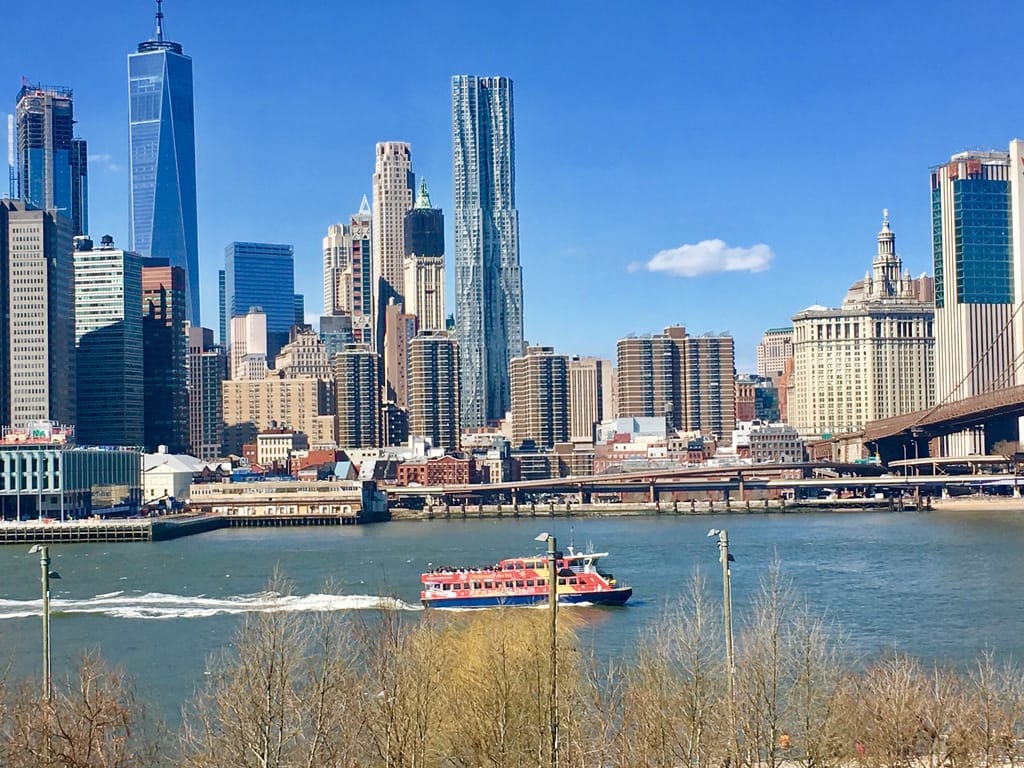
(488, 278)
(163, 159)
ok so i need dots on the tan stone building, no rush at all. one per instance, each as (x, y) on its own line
(871, 358)
(590, 396)
(304, 404)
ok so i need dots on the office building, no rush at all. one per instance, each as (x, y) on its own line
(162, 138)
(207, 366)
(348, 273)
(304, 405)
(248, 353)
(687, 380)
(871, 358)
(775, 349)
(393, 189)
(978, 256)
(108, 342)
(757, 399)
(222, 327)
(434, 389)
(590, 396)
(540, 398)
(299, 309)
(39, 293)
(357, 391)
(52, 163)
(165, 355)
(261, 275)
(424, 262)
(488, 280)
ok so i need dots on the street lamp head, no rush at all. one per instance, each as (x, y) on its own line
(54, 575)
(714, 532)
(542, 536)
(35, 548)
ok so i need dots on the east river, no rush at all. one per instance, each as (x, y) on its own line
(944, 585)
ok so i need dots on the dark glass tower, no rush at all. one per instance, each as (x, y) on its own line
(261, 275)
(163, 158)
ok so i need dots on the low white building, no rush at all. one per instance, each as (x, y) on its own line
(167, 476)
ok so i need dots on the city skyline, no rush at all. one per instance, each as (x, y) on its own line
(791, 138)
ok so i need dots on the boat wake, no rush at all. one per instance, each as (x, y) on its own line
(156, 605)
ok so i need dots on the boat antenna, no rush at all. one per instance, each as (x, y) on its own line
(572, 546)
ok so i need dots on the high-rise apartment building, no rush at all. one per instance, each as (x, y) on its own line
(261, 275)
(348, 273)
(871, 358)
(540, 398)
(399, 329)
(165, 355)
(975, 215)
(775, 349)
(207, 367)
(357, 389)
(687, 380)
(52, 163)
(434, 389)
(488, 279)
(162, 138)
(590, 396)
(39, 312)
(108, 341)
(424, 262)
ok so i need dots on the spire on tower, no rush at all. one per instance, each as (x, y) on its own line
(160, 20)
(364, 207)
(423, 198)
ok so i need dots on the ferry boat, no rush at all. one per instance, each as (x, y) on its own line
(524, 581)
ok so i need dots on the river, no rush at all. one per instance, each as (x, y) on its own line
(941, 585)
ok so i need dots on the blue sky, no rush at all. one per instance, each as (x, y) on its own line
(640, 128)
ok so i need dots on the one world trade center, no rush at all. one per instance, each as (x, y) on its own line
(163, 158)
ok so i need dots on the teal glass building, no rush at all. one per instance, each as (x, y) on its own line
(163, 159)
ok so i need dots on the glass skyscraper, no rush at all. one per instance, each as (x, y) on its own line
(261, 275)
(488, 280)
(163, 159)
(52, 164)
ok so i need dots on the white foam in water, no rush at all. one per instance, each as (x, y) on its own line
(156, 605)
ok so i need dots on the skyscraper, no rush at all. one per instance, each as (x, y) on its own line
(206, 369)
(163, 158)
(424, 262)
(775, 348)
(540, 397)
(488, 279)
(39, 309)
(261, 275)
(108, 339)
(52, 164)
(348, 273)
(393, 187)
(357, 388)
(434, 389)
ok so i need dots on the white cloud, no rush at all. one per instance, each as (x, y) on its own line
(709, 256)
(105, 160)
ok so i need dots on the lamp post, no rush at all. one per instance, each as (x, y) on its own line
(45, 575)
(725, 557)
(553, 606)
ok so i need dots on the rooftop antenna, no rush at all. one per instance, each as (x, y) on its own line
(160, 20)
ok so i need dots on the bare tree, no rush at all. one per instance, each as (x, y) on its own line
(284, 694)
(93, 720)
